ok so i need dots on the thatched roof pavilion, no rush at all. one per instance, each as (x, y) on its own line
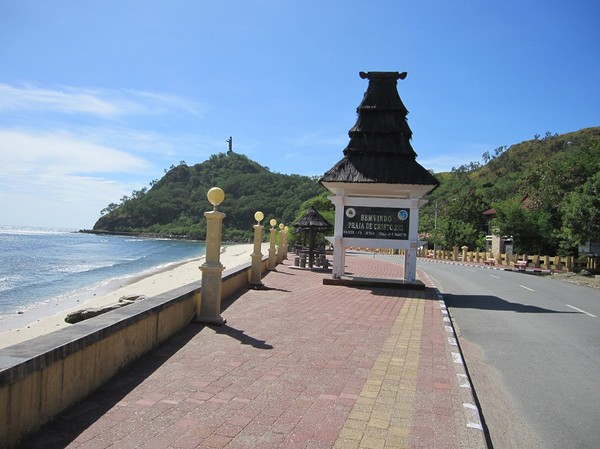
(379, 150)
(312, 219)
(312, 222)
(378, 186)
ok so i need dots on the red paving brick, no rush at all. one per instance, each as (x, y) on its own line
(298, 365)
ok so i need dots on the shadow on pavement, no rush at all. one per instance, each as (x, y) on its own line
(483, 302)
(241, 337)
(67, 426)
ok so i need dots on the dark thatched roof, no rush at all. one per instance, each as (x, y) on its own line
(384, 168)
(312, 220)
(379, 150)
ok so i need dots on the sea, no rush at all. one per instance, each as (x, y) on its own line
(40, 267)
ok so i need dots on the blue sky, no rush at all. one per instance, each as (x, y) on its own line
(98, 98)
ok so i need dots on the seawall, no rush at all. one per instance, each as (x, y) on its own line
(41, 377)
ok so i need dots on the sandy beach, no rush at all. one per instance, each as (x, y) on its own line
(50, 318)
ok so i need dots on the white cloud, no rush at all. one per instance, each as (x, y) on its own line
(60, 180)
(64, 152)
(105, 103)
(58, 201)
(61, 152)
(455, 155)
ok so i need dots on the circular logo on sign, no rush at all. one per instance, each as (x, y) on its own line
(402, 215)
(350, 212)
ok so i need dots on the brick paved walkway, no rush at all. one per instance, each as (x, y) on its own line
(300, 365)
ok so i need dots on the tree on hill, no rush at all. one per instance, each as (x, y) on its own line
(547, 169)
(531, 229)
(581, 211)
(175, 204)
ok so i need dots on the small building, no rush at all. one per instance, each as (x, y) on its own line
(378, 186)
(495, 242)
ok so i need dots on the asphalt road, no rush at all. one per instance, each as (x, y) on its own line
(540, 339)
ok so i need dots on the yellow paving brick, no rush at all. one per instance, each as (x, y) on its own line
(382, 414)
(385, 400)
(384, 408)
(351, 434)
(372, 443)
(369, 394)
(397, 444)
(356, 424)
(389, 385)
(360, 416)
(379, 423)
(362, 408)
(396, 431)
(362, 400)
(387, 394)
(346, 443)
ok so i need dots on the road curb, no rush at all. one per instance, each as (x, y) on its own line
(473, 417)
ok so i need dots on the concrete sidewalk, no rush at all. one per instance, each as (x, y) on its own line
(298, 365)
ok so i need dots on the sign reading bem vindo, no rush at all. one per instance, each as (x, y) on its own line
(376, 222)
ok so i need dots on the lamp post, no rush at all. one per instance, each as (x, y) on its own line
(285, 242)
(208, 308)
(272, 252)
(280, 245)
(256, 272)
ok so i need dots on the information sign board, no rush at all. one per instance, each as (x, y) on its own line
(376, 222)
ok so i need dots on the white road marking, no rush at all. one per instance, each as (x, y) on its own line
(472, 416)
(463, 380)
(449, 329)
(526, 288)
(456, 357)
(497, 277)
(452, 341)
(582, 311)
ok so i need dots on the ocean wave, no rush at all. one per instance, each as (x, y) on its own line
(44, 267)
(80, 268)
(9, 282)
(31, 230)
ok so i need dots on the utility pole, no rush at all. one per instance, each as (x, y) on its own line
(435, 229)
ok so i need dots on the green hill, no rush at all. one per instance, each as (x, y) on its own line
(543, 191)
(175, 204)
(559, 175)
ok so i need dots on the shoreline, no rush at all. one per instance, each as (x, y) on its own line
(50, 317)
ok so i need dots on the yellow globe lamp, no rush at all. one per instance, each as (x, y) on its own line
(273, 222)
(258, 216)
(281, 226)
(215, 196)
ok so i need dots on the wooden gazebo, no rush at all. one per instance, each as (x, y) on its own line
(311, 223)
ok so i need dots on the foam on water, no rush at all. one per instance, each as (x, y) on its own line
(39, 266)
